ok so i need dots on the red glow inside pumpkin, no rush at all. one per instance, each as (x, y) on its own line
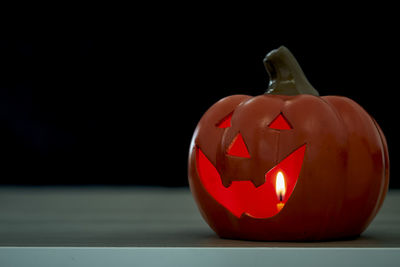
(280, 123)
(225, 122)
(242, 196)
(238, 147)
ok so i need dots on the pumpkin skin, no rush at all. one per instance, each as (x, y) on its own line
(343, 178)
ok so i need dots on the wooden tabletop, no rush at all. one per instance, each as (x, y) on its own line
(141, 217)
(133, 226)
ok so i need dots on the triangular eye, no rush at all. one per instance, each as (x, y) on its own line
(280, 123)
(225, 122)
(238, 147)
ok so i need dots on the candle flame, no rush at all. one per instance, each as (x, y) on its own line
(280, 185)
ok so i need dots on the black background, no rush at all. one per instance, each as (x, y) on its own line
(116, 101)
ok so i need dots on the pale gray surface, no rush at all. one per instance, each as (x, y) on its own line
(199, 257)
(140, 217)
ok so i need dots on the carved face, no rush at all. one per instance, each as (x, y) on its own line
(246, 175)
(268, 166)
(247, 186)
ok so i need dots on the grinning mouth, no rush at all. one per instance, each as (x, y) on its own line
(242, 197)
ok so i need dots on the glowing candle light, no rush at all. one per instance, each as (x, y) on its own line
(280, 188)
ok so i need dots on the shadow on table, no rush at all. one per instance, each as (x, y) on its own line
(210, 239)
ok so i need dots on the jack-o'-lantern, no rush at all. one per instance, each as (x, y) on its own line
(288, 164)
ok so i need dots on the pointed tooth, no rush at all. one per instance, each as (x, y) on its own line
(226, 183)
(257, 183)
(254, 183)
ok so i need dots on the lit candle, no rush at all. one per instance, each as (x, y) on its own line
(280, 189)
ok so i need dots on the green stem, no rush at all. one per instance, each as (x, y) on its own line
(286, 75)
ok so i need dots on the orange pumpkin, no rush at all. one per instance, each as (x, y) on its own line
(288, 164)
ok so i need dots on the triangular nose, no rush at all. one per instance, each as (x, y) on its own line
(238, 147)
(280, 123)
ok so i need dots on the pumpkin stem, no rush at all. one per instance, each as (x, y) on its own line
(286, 75)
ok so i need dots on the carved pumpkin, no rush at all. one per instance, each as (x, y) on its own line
(289, 164)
